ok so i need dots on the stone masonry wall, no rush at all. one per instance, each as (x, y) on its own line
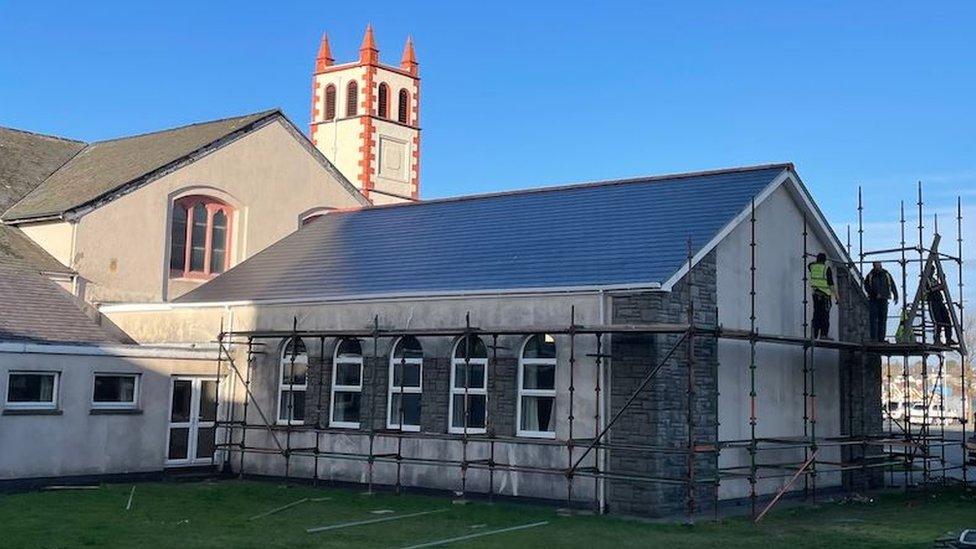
(659, 415)
(860, 386)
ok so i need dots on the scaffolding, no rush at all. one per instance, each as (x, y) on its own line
(913, 455)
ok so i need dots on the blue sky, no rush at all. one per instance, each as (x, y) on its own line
(525, 94)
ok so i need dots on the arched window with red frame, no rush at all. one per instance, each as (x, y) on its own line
(352, 98)
(383, 100)
(330, 102)
(199, 237)
(404, 110)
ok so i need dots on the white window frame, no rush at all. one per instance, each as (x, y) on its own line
(137, 387)
(55, 392)
(460, 361)
(522, 391)
(345, 388)
(284, 361)
(392, 388)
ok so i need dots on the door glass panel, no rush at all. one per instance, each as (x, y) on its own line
(208, 400)
(179, 438)
(205, 442)
(182, 393)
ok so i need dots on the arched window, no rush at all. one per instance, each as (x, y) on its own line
(406, 374)
(347, 384)
(330, 102)
(292, 382)
(199, 237)
(404, 106)
(352, 98)
(383, 96)
(537, 387)
(468, 407)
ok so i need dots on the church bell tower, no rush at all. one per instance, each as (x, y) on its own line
(366, 120)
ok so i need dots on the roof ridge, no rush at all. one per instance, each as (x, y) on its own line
(47, 135)
(579, 185)
(262, 114)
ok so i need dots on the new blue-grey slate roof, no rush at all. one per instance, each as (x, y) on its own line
(621, 232)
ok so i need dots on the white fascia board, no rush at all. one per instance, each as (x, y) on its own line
(130, 351)
(728, 228)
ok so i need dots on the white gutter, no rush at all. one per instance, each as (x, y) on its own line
(130, 351)
(521, 292)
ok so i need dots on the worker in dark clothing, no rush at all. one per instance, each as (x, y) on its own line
(939, 311)
(880, 287)
(822, 284)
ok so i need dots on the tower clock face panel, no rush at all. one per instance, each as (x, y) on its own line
(393, 155)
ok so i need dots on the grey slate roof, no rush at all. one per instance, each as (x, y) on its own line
(105, 166)
(599, 234)
(27, 159)
(36, 309)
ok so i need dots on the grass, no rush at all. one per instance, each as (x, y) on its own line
(217, 514)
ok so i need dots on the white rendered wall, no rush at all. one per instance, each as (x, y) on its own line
(779, 373)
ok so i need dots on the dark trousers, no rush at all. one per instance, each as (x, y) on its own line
(821, 314)
(877, 319)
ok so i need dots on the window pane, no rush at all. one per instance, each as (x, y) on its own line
(346, 407)
(412, 375)
(115, 389)
(179, 439)
(349, 348)
(31, 388)
(294, 373)
(295, 346)
(198, 244)
(208, 400)
(177, 258)
(410, 410)
(539, 376)
(537, 413)
(205, 442)
(218, 242)
(408, 347)
(472, 347)
(292, 406)
(182, 391)
(347, 374)
(476, 411)
(540, 346)
(475, 378)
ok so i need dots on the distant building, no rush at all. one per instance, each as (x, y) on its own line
(366, 120)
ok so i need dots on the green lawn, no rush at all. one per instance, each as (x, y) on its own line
(217, 514)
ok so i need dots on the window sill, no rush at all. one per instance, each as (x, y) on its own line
(536, 434)
(406, 428)
(115, 411)
(32, 412)
(459, 431)
(341, 425)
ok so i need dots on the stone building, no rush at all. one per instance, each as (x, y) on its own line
(148, 217)
(615, 253)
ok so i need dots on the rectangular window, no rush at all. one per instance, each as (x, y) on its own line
(347, 387)
(292, 385)
(405, 394)
(32, 390)
(537, 397)
(115, 391)
(469, 396)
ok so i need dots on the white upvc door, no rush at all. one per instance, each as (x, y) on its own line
(191, 435)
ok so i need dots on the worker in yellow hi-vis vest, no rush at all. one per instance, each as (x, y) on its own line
(822, 285)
